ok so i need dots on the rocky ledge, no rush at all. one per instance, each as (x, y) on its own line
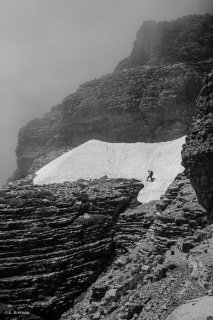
(56, 239)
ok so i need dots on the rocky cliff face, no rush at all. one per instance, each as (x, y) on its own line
(198, 151)
(147, 104)
(56, 239)
(187, 39)
(149, 98)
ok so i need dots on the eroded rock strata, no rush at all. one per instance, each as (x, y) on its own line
(181, 216)
(132, 225)
(56, 239)
(171, 264)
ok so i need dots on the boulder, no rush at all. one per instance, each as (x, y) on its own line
(196, 309)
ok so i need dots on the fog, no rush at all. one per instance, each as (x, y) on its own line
(49, 47)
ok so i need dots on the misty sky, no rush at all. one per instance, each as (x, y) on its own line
(49, 47)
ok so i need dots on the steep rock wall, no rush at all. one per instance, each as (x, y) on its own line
(197, 153)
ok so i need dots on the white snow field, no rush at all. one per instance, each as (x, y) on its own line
(94, 159)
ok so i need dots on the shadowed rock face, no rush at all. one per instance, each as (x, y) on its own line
(56, 239)
(197, 153)
(145, 104)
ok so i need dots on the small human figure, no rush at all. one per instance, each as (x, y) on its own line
(150, 176)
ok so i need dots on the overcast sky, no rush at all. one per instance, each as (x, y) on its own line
(49, 47)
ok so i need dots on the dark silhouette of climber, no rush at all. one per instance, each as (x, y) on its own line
(150, 176)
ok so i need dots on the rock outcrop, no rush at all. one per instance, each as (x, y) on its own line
(197, 153)
(181, 216)
(149, 98)
(56, 239)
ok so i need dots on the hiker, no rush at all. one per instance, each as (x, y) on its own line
(150, 176)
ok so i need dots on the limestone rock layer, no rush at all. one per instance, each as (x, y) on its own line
(55, 240)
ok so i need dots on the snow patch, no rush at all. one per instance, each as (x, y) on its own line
(94, 159)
